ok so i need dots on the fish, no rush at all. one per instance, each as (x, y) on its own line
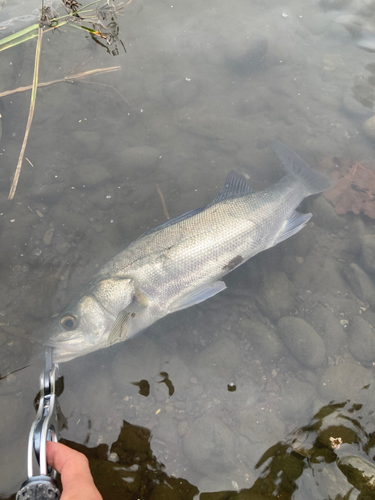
(182, 261)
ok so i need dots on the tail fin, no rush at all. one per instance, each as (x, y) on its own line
(314, 182)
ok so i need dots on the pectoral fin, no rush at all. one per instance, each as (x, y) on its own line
(197, 296)
(120, 329)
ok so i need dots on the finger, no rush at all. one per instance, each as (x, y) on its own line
(75, 472)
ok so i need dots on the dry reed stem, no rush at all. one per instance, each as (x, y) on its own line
(67, 78)
(31, 114)
(165, 211)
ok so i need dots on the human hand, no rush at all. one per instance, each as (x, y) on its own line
(76, 477)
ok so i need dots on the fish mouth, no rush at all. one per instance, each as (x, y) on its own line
(61, 354)
(66, 351)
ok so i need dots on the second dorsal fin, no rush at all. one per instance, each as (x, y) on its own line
(235, 185)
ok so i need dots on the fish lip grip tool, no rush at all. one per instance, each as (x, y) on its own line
(42, 486)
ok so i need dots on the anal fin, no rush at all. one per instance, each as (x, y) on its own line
(294, 224)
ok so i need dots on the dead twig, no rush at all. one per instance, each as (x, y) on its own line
(165, 211)
(67, 78)
(31, 114)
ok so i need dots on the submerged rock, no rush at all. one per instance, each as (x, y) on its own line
(296, 400)
(217, 362)
(138, 161)
(211, 446)
(137, 360)
(362, 340)
(90, 173)
(362, 286)
(302, 341)
(344, 381)
(264, 341)
(325, 215)
(277, 295)
(368, 252)
(328, 327)
(359, 472)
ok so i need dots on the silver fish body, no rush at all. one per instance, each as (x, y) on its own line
(181, 262)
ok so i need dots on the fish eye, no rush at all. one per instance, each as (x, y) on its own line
(69, 322)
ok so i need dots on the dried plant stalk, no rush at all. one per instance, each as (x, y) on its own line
(31, 114)
(67, 78)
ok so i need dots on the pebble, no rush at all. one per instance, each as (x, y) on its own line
(324, 215)
(14, 413)
(90, 173)
(178, 372)
(95, 397)
(90, 140)
(264, 341)
(369, 127)
(248, 59)
(329, 328)
(344, 381)
(368, 252)
(362, 340)
(166, 429)
(210, 446)
(361, 284)
(276, 297)
(47, 238)
(216, 362)
(360, 473)
(327, 482)
(302, 341)
(320, 275)
(136, 360)
(353, 107)
(182, 93)
(137, 162)
(296, 400)
(356, 232)
(262, 428)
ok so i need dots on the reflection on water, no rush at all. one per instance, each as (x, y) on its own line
(202, 90)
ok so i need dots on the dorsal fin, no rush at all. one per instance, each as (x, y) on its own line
(235, 185)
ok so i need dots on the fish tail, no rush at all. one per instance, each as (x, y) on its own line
(313, 181)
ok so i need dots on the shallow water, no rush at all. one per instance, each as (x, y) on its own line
(227, 396)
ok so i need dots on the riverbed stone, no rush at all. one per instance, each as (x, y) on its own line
(137, 360)
(166, 429)
(264, 341)
(210, 446)
(137, 161)
(324, 215)
(262, 428)
(344, 381)
(276, 296)
(320, 275)
(302, 341)
(362, 340)
(217, 361)
(360, 473)
(329, 328)
(368, 252)
(296, 400)
(362, 285)
(369, 127)
(14, 413)
(89, 173)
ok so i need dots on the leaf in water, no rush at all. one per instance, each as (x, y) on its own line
(354, 190)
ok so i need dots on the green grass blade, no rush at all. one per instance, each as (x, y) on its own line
(19, 37)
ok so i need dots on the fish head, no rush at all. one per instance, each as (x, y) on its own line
(85, 324)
